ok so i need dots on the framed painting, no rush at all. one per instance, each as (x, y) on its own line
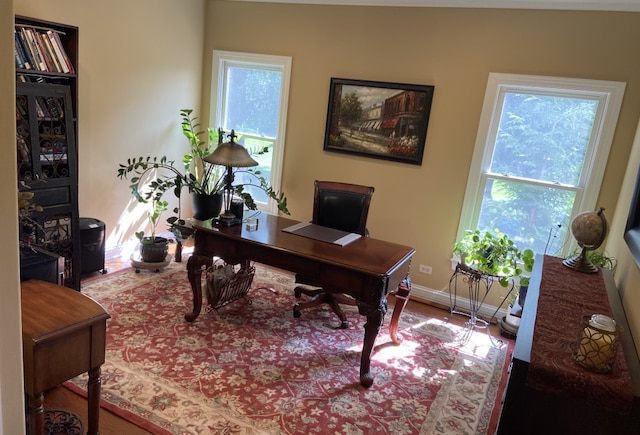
(377, 119)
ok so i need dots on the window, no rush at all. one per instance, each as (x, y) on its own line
(250, 93)
(539, 158)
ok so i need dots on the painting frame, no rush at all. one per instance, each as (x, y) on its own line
(381, 120)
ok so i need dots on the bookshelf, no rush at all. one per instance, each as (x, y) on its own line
(46, 136)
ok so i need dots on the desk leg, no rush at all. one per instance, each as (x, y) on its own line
(402, 297)
(194, 272)
(375, 317)
(35, 413)
(93, 400)
(178, 253)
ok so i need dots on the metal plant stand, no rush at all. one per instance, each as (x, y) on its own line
(478, 285)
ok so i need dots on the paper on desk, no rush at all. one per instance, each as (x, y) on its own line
(324, 234)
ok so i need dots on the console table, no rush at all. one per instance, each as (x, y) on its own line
(367, 269)
(63, 336)
(547, 391)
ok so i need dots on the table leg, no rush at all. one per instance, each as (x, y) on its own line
(194, 272)
(93, 400)
(375, 317)
(178, 253)
(35, 414)
(402, 297)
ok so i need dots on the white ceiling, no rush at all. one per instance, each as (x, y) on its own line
(587, 5)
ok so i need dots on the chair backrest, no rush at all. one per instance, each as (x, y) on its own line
(342, 206)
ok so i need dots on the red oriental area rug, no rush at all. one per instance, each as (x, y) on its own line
(251, 368)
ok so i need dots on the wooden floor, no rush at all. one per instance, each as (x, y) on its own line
(110, 424)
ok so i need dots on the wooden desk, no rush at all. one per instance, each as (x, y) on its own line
(63, 336)
(366, 269)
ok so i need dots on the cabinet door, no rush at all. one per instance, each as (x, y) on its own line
(47, 166)
(45, 134)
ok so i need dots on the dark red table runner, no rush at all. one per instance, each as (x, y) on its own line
(566, 296)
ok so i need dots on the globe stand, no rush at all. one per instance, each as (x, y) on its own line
(580, 263)
(589, 220)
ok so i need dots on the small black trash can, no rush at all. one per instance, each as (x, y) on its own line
(92, 240)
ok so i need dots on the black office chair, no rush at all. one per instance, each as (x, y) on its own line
(341, 206)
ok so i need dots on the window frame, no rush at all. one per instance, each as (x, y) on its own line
(221, 61)
(608, 93)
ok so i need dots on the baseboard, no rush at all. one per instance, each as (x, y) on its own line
(418, 293)
(441, 298)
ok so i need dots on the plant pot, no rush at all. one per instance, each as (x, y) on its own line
(154, 252)
(522, 295)
(206, 206)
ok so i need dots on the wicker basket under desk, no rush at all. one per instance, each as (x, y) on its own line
(225, 284)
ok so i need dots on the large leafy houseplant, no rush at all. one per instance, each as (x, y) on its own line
(494, 254)
(151, 177)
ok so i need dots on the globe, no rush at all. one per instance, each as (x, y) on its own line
(589, 229)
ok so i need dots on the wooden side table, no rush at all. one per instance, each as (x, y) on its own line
(63, 336)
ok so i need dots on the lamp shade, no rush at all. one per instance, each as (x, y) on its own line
(231, 154)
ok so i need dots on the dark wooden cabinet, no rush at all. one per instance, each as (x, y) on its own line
(46, 141)
(529, 411)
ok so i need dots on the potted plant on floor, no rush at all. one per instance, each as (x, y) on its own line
(153, 248)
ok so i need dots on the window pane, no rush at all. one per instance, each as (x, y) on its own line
(253, 101)
(529, 214)
(543, 137)
(254, 145)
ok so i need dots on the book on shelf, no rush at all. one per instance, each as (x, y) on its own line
(41, 49)
(39, 60)
(49, 55)
(27, 49)
(63, 52)
(26, 63)
(58, 49)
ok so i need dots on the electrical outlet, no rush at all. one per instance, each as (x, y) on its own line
(425, 269)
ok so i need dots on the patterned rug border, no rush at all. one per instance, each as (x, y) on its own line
(490, 410)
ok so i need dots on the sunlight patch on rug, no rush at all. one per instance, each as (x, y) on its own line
(251, 368)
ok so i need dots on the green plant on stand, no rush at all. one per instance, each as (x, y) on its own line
(493, 254)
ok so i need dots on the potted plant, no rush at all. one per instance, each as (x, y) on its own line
(493, 254)
(153, 248)
(204, 180)
(198, 176)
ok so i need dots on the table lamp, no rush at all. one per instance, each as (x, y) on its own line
(230, 154)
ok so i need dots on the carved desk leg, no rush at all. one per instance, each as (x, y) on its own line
(194, 272)
(402, 297)
(375, 317)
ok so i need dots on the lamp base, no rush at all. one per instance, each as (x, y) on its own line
(228, 221)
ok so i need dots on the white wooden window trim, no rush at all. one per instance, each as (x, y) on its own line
(222, 60)
(608, 93)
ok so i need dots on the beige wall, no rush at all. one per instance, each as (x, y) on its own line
(11, 392)
(141, 62)
(452, 49)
